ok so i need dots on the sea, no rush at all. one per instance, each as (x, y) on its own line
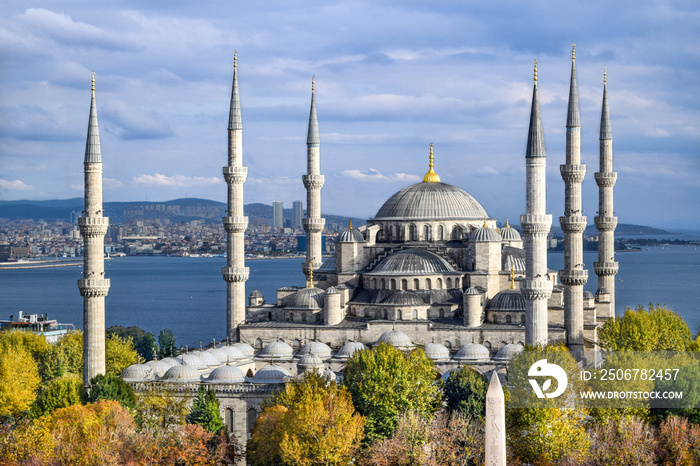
(188, 295)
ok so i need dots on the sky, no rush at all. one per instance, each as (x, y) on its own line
(391, 78)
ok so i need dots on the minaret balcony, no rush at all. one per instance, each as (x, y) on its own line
(235, 274)
(539, 288)
(605, 223)
(313, 181)
(536, 225)
(606, 179)
(575, 277)
(606, 268)
(572, 173)
(235, 224)
(313, 225)
(93, 287)
(235, 175)
(573, 223)
(93, 227)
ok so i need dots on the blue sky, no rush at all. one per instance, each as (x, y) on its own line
(391, 77)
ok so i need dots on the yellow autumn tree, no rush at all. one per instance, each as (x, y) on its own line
(19, 381)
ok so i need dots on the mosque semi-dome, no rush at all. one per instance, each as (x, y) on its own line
(403, 298)
(431, 201)
(507, 300)
(413, 261)
(306, 299)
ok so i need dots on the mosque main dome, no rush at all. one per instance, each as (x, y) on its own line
(430, 200)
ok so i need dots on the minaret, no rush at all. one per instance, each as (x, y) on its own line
(606, 221)
(93, 227)
(235, 273)
(313, 181)
(573, 276)
(536, 288)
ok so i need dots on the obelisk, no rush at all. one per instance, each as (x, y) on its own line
(495, 423)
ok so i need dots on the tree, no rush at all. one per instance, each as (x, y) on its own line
(626, 441)
(59, 393)
(158, 411)
(144, 342)
(166, 341)
(19, 381)
(119, 354)
(384, 383)
(205, 411)
(311, 422)
(111, 387)
(35, 345)
(465, 392)
(65, 356)
(654, 329)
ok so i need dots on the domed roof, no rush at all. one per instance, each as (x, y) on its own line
(485, 235)
(587, 295)
(193, 360)
(349, 349)
(270, 374)
(310, 361)
(244, 348)
(209, 359)
(403, 298)
(138, 373)
(508, 351)
(226, 374)
(472, 352)
(234, 353)
(510, 234)
(331, 290)
(306, 299)
(255, 294)
(276, 350)
(182, 373)
(350, 235)
(172, 361)
(473, 291)
(220, 354)
(507, 300)
(413, 261)
(316, 348)
(397, 339)
(430, 201)
(159, 367)
(513, 258)
(437, 352)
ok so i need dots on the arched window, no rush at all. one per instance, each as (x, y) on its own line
(456, 282)
(393, 283)
(428, 284)
(426, 233)
(374, 283)
(399, 315)
(508, 319)
(439, 283)
(251, 415)
(441, 233)
(416, 284)
(522, 319)
(382, 284)
(385, 314)
(413, 234)
(229, 420)
(442, 313)
(449, 283)
(404, 284)
(447, 344)
(415, 314)
(258, 343)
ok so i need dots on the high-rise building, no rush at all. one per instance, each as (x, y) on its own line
(297, 214)
(278, 214)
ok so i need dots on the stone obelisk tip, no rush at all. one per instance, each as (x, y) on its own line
(495, 423)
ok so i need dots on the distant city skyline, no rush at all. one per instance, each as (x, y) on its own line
(390, 78)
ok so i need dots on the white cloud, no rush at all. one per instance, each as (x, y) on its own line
(16, 185)
(375, 176)
(111, 183)
(177, 180)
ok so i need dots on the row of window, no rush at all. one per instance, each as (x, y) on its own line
(415, 233)
(392, 284)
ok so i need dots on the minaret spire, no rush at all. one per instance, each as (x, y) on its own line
(606, 267)
(536, 287)
(313, 181)
(93, 227)
(573, 276)
(235, 223)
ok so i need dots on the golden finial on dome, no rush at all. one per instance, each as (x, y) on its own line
(431, 176)
(535, 71)
(313, 84)
(573, 51)
(507, 223)
(235, 59)
(605, 75)
(486, 225)
(512, 277)
(311, 276)
(350, 226)
(93, 80)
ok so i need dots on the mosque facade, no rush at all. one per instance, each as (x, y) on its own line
(431, 269)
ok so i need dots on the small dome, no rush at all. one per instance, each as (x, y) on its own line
(270, 374)
(220, 353)
(350, 235)
(587, 295)
(182, 373)
(508, 351)
(244, 348)
(316, 348)
(485, 235)
(138, 373)
(172, 361)
(233, 353)
(255, 294)
(310, 361)
(510, 234)
(276, 350)
(403, 298)
(226, 374)
(331, 290)
(413, 261)
(513, 258)
(437, 352)
(472, 291)
(507, 300)
(472, 352)
(306, 299)
(193, 360)
(602, 290)
(159, 367)
(349, 349)
(397, 339)
(209, 359)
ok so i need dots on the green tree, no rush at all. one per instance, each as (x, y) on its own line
(119, 354)
(159, 411)
(311, 422)
(654, 329)
(65, 356)
(144, 342)
(205, 411)
(111, 387)
(465, 392)
(59, 393)
(19, 381)
(385, 383)
(166, 341)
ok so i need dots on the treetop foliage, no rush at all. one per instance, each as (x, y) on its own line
(205, 411)
(654, 329)
(465, 392)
